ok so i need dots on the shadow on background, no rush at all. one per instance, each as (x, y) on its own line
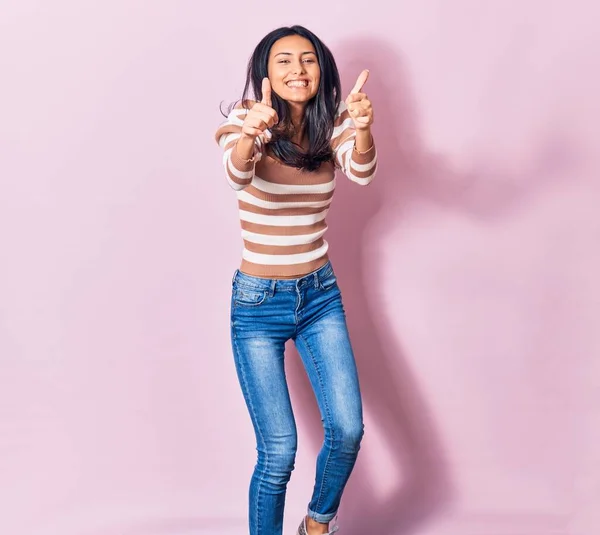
(392, 399)
(407, 171)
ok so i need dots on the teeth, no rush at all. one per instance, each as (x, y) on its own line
(298, 83)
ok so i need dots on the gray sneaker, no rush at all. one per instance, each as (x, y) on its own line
(302, 528)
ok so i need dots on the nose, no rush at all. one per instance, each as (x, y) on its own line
(298, 67)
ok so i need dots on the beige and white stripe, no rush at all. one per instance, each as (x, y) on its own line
(283, 210)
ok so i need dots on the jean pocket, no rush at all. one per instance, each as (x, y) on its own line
(328, 282)
(248, 297)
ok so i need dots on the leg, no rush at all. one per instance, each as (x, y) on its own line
(325, 348)
(260, 368)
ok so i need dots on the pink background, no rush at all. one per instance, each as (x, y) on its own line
(469, 268)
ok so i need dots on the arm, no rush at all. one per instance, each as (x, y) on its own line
(239, 161)
(354, 150)
(242, 138)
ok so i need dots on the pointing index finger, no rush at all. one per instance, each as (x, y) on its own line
(362, 80)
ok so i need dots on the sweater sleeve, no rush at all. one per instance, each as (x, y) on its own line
(358, 167)
(239, 172)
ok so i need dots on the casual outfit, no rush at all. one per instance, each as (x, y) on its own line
(286, 289)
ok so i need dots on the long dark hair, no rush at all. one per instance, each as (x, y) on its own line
(319, 113)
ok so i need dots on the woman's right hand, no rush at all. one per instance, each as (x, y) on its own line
(261, 116)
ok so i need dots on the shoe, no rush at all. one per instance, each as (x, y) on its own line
(303, 531)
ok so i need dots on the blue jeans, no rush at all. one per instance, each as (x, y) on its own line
(265, 313)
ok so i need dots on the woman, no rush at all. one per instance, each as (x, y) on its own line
(280, 155)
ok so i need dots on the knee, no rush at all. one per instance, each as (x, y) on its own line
(277, 463)
(350, 435)
(282, 461)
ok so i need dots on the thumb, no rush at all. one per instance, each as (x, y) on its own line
(362, 80)
(266, 92)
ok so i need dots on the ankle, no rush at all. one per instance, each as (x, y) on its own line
(316, 528)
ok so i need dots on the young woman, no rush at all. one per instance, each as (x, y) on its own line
(281, 152)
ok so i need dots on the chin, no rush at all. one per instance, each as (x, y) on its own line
(298, 99)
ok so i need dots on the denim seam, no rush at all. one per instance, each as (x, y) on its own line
(328, 416)
(254, 416)
(232, 318)
(298, 307)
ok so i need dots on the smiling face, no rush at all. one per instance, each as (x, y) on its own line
(293, 69)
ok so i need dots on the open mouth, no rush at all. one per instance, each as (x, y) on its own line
(297, 83)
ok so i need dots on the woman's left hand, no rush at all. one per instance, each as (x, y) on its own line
(359, 105)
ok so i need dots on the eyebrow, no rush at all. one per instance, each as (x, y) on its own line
(290, 54)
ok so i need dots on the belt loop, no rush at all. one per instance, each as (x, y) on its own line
(272, 289)
(316, 278)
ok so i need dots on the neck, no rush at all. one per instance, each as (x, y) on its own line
(296, 113)
(297, 117)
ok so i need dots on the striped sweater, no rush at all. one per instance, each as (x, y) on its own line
(283, 209)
